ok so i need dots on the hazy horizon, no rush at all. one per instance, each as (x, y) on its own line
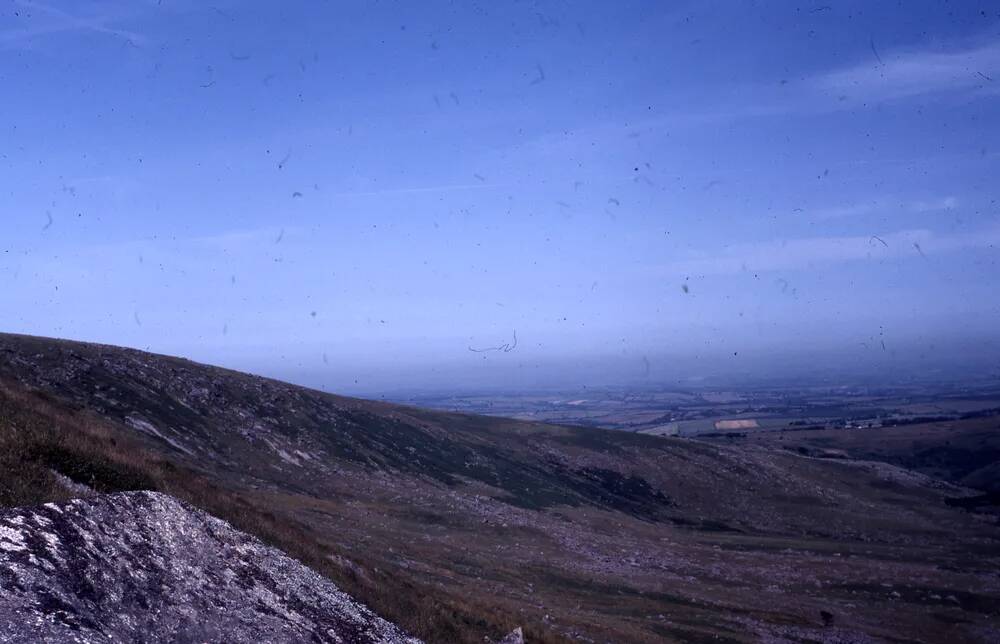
(368, 198)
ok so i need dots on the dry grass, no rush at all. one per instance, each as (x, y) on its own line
(39, 436)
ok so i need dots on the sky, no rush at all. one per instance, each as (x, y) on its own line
(371, 196)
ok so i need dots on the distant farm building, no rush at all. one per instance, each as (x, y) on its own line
(743, 423)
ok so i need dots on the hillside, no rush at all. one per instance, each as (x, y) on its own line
(461, 527)
(140, 566)
(965, 451)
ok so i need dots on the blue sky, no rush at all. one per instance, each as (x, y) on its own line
(352, 195)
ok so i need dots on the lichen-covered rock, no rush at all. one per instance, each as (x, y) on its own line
(145, 567)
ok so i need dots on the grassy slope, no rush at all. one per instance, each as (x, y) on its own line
(460, 527)
(965, 452)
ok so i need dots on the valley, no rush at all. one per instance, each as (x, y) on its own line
(706, 409)
(458, 527)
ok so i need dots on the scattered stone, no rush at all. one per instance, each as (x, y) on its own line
(516, 636)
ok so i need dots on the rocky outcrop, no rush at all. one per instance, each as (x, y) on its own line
(144, 567)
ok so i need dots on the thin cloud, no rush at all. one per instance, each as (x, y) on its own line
(906, 74)
(839, 212)
(945, 203)
(881, 206)
(48, 20)
(444, 188)
(807, 252)
(244, 239)
(902, 74)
